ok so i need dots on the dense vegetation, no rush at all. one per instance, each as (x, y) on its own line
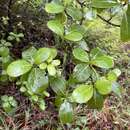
(64, 64)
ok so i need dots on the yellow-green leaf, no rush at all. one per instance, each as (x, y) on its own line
(18, 68)
(75, 13)
(58, 85)
(56, 26)
(105, 62)
(74, 36)
(103, 86)
(80, 55)
(104, 3)
(82, 93)
(51, 70)
(81, 72)
(42, 55)
(66, 112)
(125, 26)
(54, 8)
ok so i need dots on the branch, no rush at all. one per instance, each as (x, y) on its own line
(107, 21)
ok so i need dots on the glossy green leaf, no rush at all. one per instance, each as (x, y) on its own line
(52, 55)
(42, 105)
(18, 68)
(56, 26)
(82, 44)
(75, 13)
(82, 93)
(105, 62)
(80, 55)
(58, 85)
(73, 36)
(6, 61)
(58, 100)
(103, 86)
(55, 62)
(43, 66)
(66, 112)
(95, 53)
(37, 81)
(42, 55)
(81, 72)
(61, 18)
(29, 54)
(113, 75)
(54, 8)
(94, 74)
(47, 94)
(117, 72)
(104, 3)
(4, 51)
(78, 28)
(116, 88)
(125, 26)
(51, 70)
(34, 98)
(96, 102)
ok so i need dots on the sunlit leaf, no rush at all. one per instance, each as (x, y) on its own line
(42, 55)
(73, 36)
(116, 88)
(105, 62)
(37, 81)
(81, 72)
(58, 85)
(82, 93)
(95, 53)
(103, 86)
(56, 26)
(18, 68)
(51, 70)
(29, 54)
(75, 13)
(66, 112)
(80, 55)
(54, 8)
(4, 51)
(43, 66)
(104, 3)
(125, 26)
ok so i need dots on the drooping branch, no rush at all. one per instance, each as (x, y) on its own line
(108, 21)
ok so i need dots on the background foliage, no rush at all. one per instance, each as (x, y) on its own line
(63, 65)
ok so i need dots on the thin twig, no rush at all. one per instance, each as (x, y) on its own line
(108, 21)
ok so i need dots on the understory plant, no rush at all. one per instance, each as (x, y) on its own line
(9, 104)
(94, 75)
(5, 59)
